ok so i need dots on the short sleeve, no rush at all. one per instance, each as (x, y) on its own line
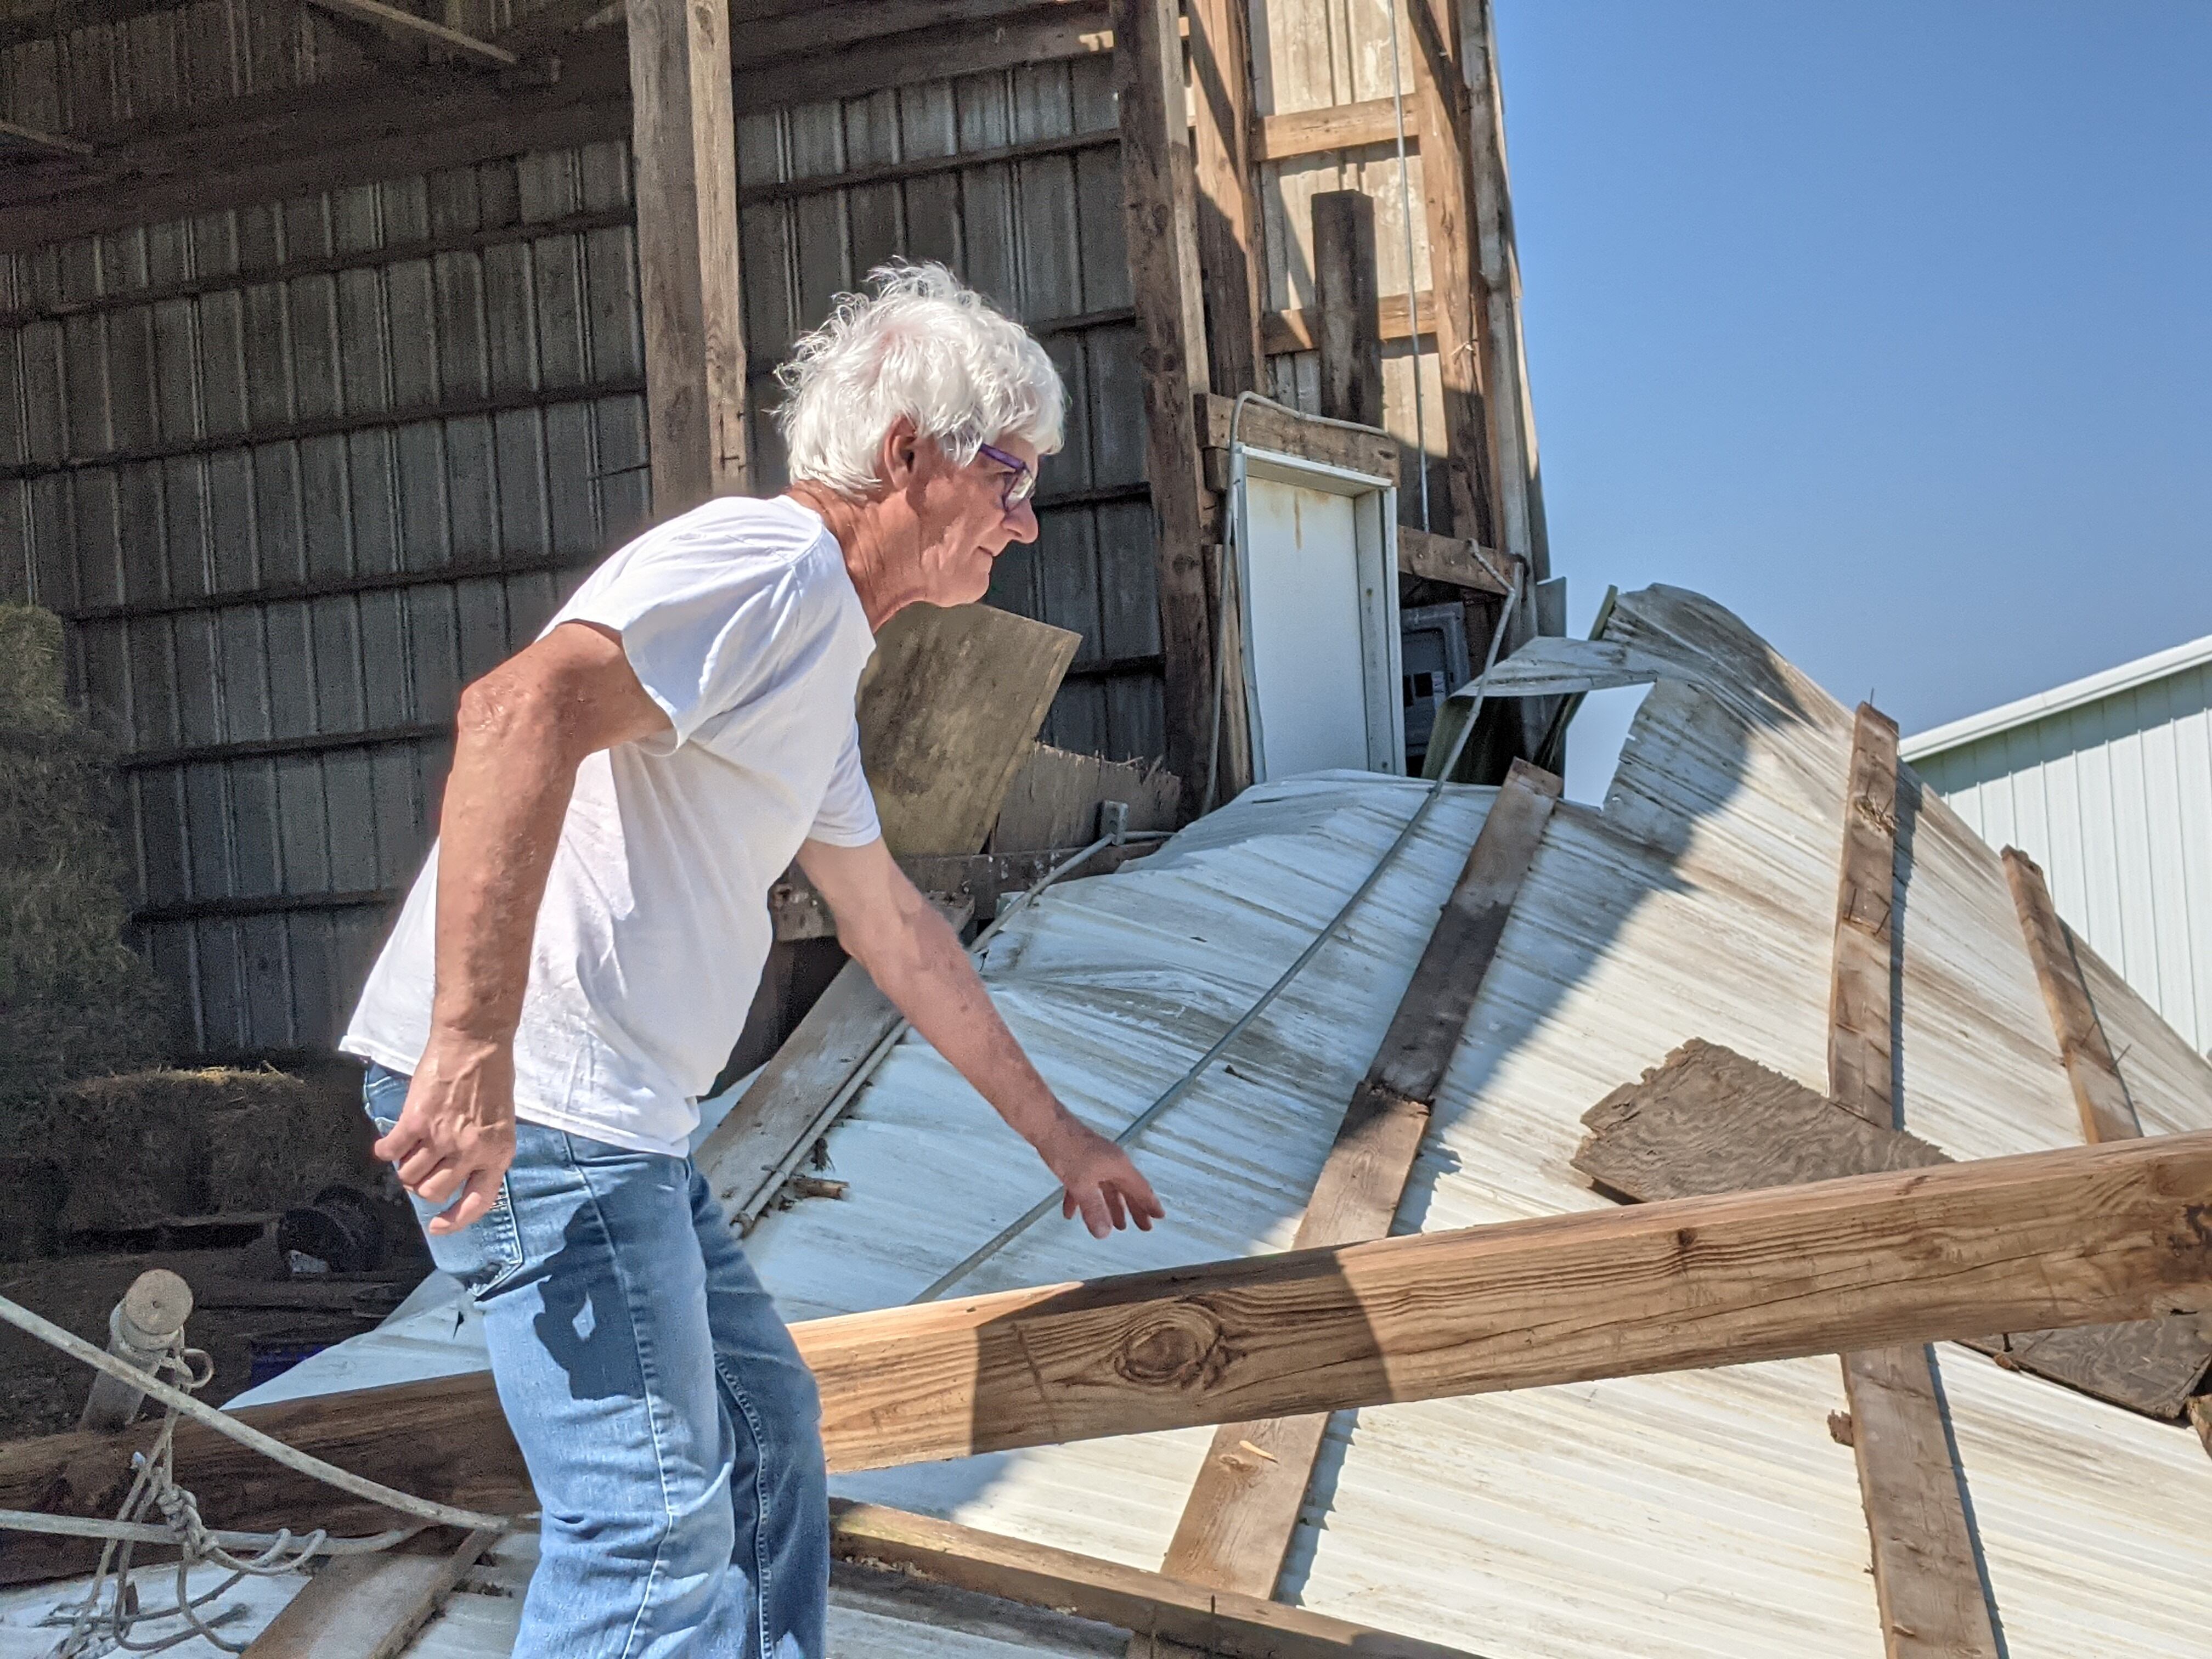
(700, 641)
(847, 817)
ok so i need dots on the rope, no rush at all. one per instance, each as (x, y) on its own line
(158, 1510)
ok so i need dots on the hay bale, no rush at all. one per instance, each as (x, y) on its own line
(75, 1001)
(128, 1146)
(274, 1141)
(31, 1192)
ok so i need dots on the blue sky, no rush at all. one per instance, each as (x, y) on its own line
(1889, 325)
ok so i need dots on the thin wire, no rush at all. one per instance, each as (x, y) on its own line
(873, 1061)
(1183, 1084)
(1412, 295)
(444, 1515)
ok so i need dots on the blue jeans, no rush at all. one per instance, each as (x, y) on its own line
(670, 1428)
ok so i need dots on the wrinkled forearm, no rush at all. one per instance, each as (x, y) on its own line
(506, 798)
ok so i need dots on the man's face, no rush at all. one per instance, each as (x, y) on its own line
(961, 519)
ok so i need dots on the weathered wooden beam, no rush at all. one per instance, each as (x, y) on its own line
(397, 21)
(370, 1607)
(2099, 1094)
(1708, 1120)
(1229, 252)
(1152, 1606)
(1297, 329)
(1927, 1578)
(1927, 1582)
(1448, 559)
(1242, 1511)
(1517, 499)
(1859, 1058)
(1349, 335)
(2075, 1236)
(1447, 196)
(1263, 425)
(1158, 195)
(1340, 126)
(684, 136)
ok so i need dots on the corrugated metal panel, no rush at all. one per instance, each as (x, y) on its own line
(1699, 1513)
(1694, 1514)
(2114, 798)
(296, 472)
(1040, 231)
(1314, 54)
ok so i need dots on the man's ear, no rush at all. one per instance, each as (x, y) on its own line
(896, 464)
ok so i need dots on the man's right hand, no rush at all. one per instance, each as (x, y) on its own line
(455, 1136)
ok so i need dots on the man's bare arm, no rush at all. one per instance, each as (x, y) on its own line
(918, 961)
(521, 732)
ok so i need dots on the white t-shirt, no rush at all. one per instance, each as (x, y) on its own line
(741, 623)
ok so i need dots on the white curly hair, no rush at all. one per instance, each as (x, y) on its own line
(923, 345)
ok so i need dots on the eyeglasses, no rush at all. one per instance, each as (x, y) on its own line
(1020, 482)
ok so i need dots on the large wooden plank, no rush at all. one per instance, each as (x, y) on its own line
(1337, 126)
(1055, 799)
(1927, 1573)
(2098, 1092)
(1158, 200)
(370, 1607)
(2076, 1237)
(1150, 1606)
(1230, 248)
(1242, 1512)
(1927, 1581)
(1299, 330)
(949, 709)
(1448, 559)
(1708, 1120)
(1347, 307)
(1447, 196)
(745, 1155)
(683, 138)
(1859, 1019)
(1262, 426)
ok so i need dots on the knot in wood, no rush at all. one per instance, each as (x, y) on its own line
(1181, 1346)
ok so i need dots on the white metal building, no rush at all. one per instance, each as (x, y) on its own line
(2107, 784)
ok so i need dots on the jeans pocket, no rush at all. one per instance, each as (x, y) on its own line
(483, 1257)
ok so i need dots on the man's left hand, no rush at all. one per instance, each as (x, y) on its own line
(1099, 1179)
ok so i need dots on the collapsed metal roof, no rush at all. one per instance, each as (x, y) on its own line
(1689, 1513)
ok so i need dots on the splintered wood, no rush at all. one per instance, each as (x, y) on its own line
(1708, 1120)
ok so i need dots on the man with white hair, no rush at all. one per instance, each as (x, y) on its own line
(567, 976)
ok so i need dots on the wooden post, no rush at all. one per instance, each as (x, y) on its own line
(1517, 492)
(1158, 197)
(1859, 1058)
(2099, 1094)
(1228, 209)
(1243, 1509)
(1926, 1579)
(1347, 310)
(685, 145)
(1447, 191)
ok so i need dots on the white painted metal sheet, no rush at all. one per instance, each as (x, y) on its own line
(2108, 785)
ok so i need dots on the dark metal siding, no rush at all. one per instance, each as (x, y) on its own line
(297, 472)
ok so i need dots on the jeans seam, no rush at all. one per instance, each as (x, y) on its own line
(752, 1417)
(652, 1405)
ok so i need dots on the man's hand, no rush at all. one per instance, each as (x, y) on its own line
(456, 1134)
(1099, 1178)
